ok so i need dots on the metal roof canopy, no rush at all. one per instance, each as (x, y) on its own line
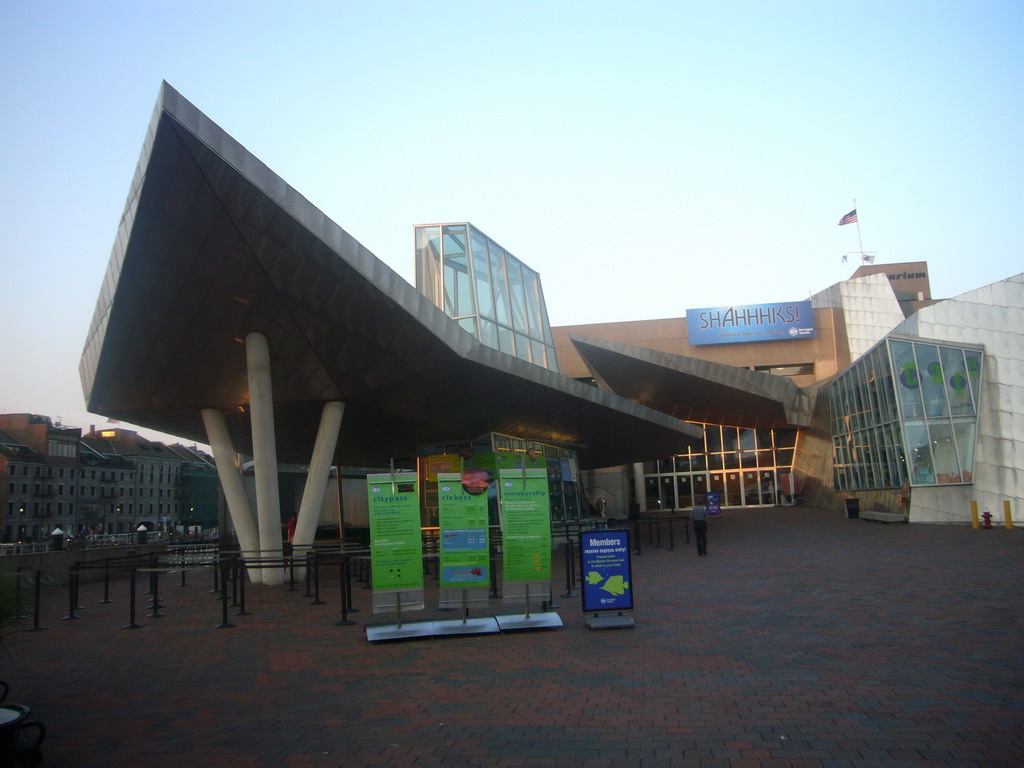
(695, 390)
(213, 245)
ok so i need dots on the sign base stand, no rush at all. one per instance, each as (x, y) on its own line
(529, 621)
(486, 625)
(607, 621)
(376, 633)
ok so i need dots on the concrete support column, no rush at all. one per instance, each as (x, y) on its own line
(316, 481)
(264, 453)
(639, 489)
(234, 490)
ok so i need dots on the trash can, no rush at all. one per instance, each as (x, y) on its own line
(852, 508)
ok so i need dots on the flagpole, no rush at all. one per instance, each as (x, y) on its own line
(859, 241)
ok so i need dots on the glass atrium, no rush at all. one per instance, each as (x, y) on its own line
(891, 424)
(492, 294)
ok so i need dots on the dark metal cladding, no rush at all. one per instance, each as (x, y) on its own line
(696, 390)
(213, 245)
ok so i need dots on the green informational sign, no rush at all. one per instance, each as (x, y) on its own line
(525, 524)
(462, 513)
(396, 544)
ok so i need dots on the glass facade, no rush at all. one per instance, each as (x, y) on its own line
(497, 451)
(748, 467)
(492, 294)
(568, 501)
(907, 411)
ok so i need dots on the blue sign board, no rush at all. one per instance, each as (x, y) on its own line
(714, 503)
(751, 322)
(606, 571)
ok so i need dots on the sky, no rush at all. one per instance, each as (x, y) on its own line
(644, 157)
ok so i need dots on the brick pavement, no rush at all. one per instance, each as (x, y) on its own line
(803, 639)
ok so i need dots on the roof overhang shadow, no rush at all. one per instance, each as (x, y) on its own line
(212, 245)
(695, 390)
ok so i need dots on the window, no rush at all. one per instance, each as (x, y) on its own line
(788, 369)
(905, 412)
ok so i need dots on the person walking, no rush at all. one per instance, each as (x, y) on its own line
(699, 516)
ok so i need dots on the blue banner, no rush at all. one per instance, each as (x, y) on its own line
(606, 571)
(750, 322)
(714, 503)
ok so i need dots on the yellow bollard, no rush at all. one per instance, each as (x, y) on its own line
(974, 514)
(1006, 512)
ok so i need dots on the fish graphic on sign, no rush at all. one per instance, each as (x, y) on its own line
(615, 585)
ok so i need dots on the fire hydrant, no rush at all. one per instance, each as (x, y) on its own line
(986, 516)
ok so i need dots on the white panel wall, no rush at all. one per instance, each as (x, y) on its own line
(870, 310)
(992, 316)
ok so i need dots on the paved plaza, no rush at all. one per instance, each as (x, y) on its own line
(803, 639)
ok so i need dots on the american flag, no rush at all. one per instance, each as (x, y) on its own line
(849, 218)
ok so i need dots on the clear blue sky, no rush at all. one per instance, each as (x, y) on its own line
(643, 157)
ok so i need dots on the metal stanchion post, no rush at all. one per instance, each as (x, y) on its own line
(131, 603)
(636, 532)
(233, 570)
(36, 626)
(348, 586)
(316, 580)
(224, 623)
(106, 581)
(78, 586)
(310, 554)
(342, 582)
(154, 606)
(570, 568)
(72, 600)
(17, 594)
(242, 577)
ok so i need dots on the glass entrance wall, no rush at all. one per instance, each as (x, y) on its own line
(906, 412)
(494, 452)
(743, 465)
(566, 492)
(492, 294)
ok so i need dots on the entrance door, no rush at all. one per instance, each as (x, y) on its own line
(751, 496)
(717, 485)
(733, 490)
(684, 488)
(768, 487)
(700, 488)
